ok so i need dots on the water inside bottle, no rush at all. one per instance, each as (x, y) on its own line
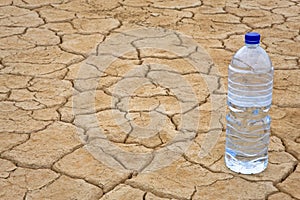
(247, 139)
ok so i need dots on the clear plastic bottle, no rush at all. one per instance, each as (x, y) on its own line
(250, 84)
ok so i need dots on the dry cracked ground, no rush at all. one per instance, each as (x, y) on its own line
(71, 129)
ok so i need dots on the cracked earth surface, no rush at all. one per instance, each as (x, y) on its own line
(44, 43)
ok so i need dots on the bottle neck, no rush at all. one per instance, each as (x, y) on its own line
(251, 45)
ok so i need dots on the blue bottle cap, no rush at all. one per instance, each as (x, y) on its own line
(252, 38)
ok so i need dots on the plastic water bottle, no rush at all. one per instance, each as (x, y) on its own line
(250, 84)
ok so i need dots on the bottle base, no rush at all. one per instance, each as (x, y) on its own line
(246, 167)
